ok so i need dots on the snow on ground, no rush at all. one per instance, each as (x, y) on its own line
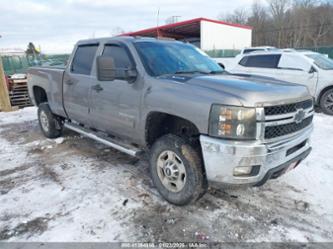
(19, 116)
(74, 189)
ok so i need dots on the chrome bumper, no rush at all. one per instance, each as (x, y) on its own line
(222, 156)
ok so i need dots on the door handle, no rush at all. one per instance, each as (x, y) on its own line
(97, 88)
(69, 82)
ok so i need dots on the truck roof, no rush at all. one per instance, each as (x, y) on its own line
(121, 38)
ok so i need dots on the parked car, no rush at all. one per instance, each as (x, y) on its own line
(308, 68)
(169, 100)
(258, 49)
(229, 62)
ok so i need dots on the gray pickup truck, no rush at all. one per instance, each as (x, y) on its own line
(169, 101)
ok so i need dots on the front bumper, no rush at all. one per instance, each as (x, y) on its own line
(221, 157)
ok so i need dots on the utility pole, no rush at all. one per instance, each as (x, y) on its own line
(4, 96)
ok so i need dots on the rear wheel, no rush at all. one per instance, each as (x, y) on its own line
(49, 123)
(177, 170)
(326, 102)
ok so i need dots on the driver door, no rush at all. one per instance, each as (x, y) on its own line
(115, 104)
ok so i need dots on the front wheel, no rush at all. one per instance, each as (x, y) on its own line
(177, 170)
(48, 122)
(326, 102)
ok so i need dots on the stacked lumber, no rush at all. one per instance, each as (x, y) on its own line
(18, 93)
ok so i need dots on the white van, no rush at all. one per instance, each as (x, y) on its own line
(302, 67)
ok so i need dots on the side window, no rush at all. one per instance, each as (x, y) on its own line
(243, 61)
(262, 61)
(84, 59)
(119, 55)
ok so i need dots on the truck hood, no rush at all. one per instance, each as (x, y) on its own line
(250, 90)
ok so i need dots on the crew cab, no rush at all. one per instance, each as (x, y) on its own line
(169, 101)
(308, 68)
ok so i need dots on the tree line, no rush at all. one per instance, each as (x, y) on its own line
(287, 23)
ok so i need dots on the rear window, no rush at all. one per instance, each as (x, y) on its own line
(262, 61)
(83, 59)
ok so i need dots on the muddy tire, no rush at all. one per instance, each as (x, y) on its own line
(177, 170)
(48, 122)
(326, 102)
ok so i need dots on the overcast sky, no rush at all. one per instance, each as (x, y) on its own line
(56, 25)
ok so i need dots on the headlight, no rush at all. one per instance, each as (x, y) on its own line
(233, 122)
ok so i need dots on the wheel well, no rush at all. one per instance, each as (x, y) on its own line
(159, 124)
(39, 95)
(322, 92)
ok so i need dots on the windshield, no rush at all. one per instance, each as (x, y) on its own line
(161, 58)
(321, 61)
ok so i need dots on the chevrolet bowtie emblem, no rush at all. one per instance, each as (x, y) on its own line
(299, 116)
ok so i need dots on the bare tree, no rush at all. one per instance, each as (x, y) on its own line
(278, 10)
(258, 20)
(288, 23)
(321, 20)
(239, 16)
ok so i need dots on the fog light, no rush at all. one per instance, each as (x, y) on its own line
(242, 171)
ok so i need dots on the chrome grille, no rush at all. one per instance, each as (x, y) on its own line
(287, 119)
(288, 108)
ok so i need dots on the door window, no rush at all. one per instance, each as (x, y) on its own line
(262, 61)
(119, 55)
(83, 59)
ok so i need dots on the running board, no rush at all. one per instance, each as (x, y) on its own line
(128, 149)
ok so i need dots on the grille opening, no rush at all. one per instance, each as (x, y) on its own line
(288, 108)
(286, 129)
(296, 148)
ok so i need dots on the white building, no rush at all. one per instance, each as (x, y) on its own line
(205, 33)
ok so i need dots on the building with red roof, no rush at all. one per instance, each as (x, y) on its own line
(205, 33)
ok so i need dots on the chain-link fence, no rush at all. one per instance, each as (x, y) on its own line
(323, 50)
(20, 63)
(223, 53)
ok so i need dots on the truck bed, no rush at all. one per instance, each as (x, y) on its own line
(50, 79)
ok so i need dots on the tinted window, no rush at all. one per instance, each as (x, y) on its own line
(83, 59)
(119, 55)
(243, 61)
(263, 61)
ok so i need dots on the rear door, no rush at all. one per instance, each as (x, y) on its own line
(77, 83)
(116, 103)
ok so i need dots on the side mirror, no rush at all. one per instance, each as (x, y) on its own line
(106, 71)
(105, 68)
(221, 65)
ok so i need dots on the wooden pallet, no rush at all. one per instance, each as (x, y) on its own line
(18, 94)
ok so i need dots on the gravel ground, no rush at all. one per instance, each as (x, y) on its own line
(74, 189)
